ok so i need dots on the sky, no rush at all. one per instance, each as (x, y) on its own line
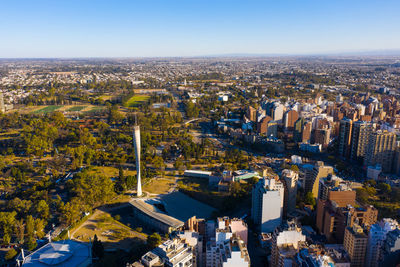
(172, 28)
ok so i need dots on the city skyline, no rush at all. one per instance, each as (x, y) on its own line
(190, 29)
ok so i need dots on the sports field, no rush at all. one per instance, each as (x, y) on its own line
(136, 100)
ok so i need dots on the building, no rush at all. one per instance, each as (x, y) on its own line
(322, 136)
(311, 181)
(149, 260)
(290, 118)
(376, 237)
(334, 188)
(197, 174)
(226, 247)
(262, 125)
(60, 253)
(195, 240)
(390, 251)
(327, 256)
(251, 114)
(381, 150)
(153, 218)
(336, 210)
(267, 204)
(373, 172)
(175, 253)
(290, 179)
(345, 130)
(286, 243)
(136, 144)
(302, 131)
(355, 243)
(360, 139)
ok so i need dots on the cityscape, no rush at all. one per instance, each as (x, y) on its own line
(177, 154)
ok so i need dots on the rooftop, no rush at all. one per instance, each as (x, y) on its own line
(152, 211)
(62, 253)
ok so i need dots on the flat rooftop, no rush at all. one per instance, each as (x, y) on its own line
(62, 253)
(152, 211)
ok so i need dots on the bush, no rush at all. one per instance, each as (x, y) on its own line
(139, 229)
(11, 253)
(153, 240)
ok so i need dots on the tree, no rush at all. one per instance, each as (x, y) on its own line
(31, 243)
(11, 253)
(385, 188)
(42, 209)
(153, 240)
(309, 199)
(362, 195)
(97, 247)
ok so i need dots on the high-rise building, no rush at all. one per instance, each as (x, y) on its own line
(290, 179)
(338, 211)
(345, 129)
(286, 243)
(298, 128)
(390, 251)
(376, 237)
(251, 114)
(175, 253)
(262, 125)
(277, 112)
(290, 118)
(334, 188)
(306, 132)
(355, 243)
(311, 179)
(322, 136)
(359, 139)
(226, 247)
(267, 204)
(381, 150)
(136, 144)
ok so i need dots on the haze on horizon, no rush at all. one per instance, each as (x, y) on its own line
(47, 29)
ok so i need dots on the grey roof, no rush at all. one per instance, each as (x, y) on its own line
(151, 211)
(61, 253)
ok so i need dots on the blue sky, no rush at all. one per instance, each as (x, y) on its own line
(147, 28)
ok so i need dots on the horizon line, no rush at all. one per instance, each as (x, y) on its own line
(358, 53)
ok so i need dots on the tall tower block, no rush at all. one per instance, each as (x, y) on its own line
(136, 144)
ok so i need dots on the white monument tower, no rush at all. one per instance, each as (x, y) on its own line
(136, 144)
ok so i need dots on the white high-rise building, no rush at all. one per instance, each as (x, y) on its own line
(267, 204)
(228, 248)
(175, 253)
(376, 237)
(286, 243)
(136, 144)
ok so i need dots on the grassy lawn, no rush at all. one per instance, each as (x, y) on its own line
(95, 109)
(76, 108)
(158, 186)
(136, 100)
(47, 109)
(108, 230)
